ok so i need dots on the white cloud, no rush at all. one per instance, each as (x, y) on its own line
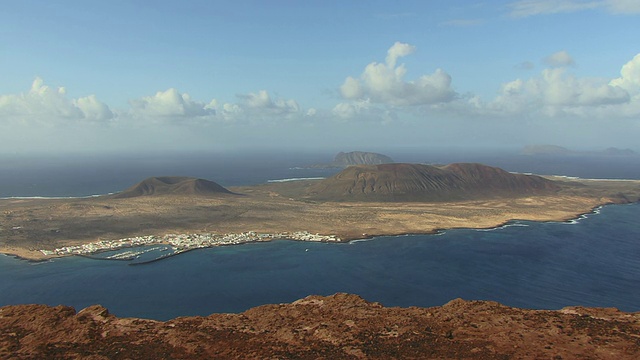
(363, 110)
(558, 88)
(173, 105)
(381, 94)
(624, 6)
(259, 100)
(381, 91)
(556, 92)
(92, 108)
(396, 51)
(259, 106)
(559, 59)
(525, 65)
(385, 84)
(525, 8)
(169, 104)
(463, 22)
(42, 104)
(629, 76)
(348, 110)
(351, 88)
(262, 102)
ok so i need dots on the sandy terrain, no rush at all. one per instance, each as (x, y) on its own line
(28, 225)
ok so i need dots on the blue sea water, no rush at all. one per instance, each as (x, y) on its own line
(594, 261)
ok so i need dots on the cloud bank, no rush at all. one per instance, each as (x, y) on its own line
(42, 104)
(169, 104)
(384, 83)
(559, 59)
(556, 92)
(381, 94)
(526, 8)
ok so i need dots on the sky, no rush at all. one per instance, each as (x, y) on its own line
(137, 76)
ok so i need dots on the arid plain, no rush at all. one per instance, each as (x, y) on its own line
(30, 225)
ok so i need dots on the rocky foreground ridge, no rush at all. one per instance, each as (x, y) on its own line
(340, 326)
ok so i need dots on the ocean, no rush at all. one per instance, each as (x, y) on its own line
(591, 261)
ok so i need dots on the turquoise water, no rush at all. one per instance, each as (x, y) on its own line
(594, 261)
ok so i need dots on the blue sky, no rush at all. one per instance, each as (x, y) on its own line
(118, 76)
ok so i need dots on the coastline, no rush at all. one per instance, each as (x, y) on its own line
(436, 231)
(25, 254)
(567, 219)
(39, 255)
(39, 229)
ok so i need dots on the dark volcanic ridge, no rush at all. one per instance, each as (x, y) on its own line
(340, 326)
(173, 185)
(418, 182)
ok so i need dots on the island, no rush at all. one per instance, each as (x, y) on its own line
(346, 159)
(359, 202)
(555, 150)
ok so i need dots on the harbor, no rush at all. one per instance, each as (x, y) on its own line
(173, 244)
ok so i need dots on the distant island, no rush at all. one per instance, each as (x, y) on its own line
(616, 151)
(545, 150)
(359, 202)
(559, 150)
(360, 158)
(345, 159)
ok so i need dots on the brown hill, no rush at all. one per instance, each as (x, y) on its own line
(418, 182)
(172, 185)
(340, 326)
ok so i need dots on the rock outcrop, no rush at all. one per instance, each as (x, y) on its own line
(418, 182)
(340, 326)
(172, 185)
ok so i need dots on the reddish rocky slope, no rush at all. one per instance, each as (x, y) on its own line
(341, 326)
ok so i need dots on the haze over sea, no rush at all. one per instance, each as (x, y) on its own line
(593, 261)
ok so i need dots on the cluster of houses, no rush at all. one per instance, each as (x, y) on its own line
(182, 242)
